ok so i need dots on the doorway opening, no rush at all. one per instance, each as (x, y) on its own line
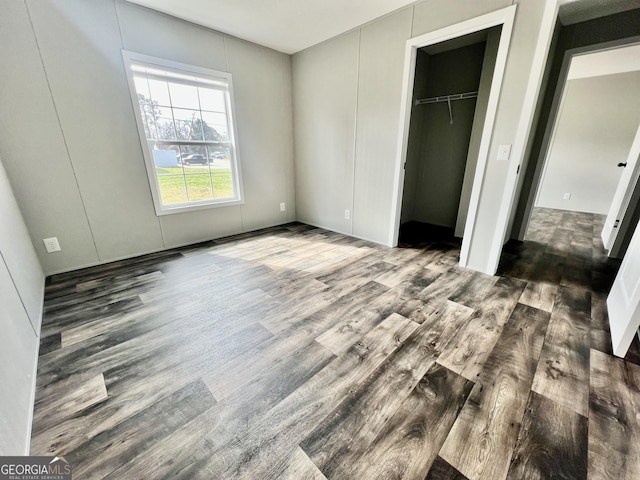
(451, 90)
(479, 30)
(588, 164)
(607, 277)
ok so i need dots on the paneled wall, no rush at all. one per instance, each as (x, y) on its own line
(21, 292)
(365, 67)
(380, 68)
(69, 140)
(325, 82)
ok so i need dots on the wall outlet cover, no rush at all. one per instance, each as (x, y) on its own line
(566, 196)
(347, 214)
(283, 207)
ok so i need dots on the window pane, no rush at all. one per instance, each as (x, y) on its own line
(188, 124)
(213, 100)
(199, 187)
(172, 189)
(181, 110)
(216, 126)
(190, 149)
(142, 87)
(165, 128)
(166, 159)
(184, 96)
(196, 169)
(184, 151)
(219, 155)
(222, 182)
(159, 92)
(149, 119)
(193, 156)
(147, 108)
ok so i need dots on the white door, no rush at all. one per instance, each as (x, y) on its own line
(623, 302)
(622, 197)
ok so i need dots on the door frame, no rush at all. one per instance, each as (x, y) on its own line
(554, 115)
(504, 17)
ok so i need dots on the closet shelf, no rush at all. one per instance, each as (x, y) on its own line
(447, 98)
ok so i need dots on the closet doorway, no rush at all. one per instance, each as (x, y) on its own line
(450, 97)
(455, 193)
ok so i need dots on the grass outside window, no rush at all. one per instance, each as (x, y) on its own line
(188, 184)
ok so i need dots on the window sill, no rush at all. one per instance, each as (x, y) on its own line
(185, 208)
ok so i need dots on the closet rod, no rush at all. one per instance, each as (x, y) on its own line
(447, 98)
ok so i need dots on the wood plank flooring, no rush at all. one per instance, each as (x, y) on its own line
(300, 353)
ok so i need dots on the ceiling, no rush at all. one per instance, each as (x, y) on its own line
(575, 11)
(285, 25)
(293, 25)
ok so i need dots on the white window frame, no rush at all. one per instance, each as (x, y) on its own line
(238, 199)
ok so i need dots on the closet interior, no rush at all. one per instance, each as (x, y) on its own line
(450, 97)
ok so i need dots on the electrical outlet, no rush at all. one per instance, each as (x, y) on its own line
(347, 214)
(566, 196)
(283, 207)
(51, 244)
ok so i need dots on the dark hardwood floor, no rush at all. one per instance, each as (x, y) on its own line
(299, 353)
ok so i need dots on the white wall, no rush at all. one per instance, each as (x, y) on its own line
(353, 76)
(325, 102)
(372, 216)
(21, 294)
(82, 177)
(347, 111)
(512, 103)
(380, 66)
(596, 125)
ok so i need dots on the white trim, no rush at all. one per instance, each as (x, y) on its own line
(34, 378)
(504, 17)
(132, 57)
(174, 246)
(522, 134)
(554, 114)
(408, 79)
(487, 133)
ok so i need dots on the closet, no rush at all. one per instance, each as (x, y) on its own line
(450, 96)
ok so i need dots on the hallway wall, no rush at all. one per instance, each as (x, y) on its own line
(596, 126)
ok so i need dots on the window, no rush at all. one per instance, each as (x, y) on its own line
(185, 121)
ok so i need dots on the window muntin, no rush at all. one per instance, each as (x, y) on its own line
(185, 120)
